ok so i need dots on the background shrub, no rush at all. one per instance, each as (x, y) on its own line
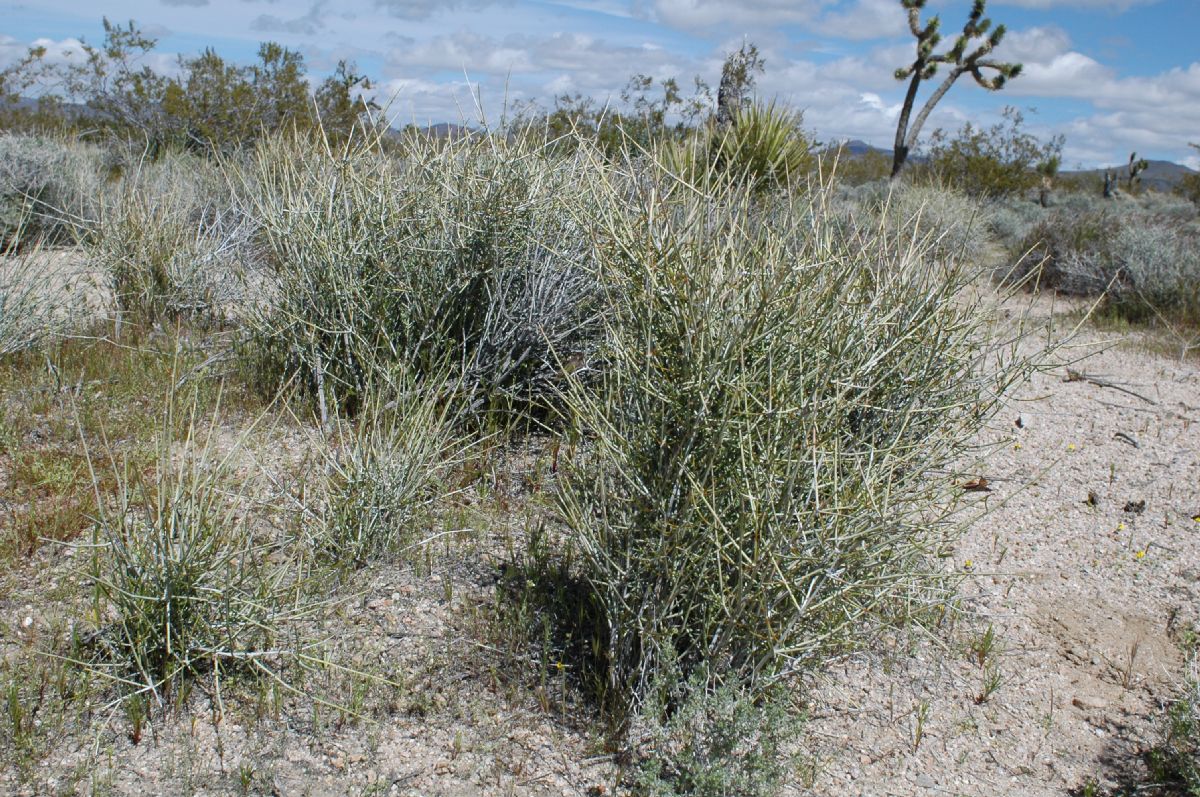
(47, 187)
(27, 314)
(941, 222)
(1141, 253)
(170, 241)
(466, 254)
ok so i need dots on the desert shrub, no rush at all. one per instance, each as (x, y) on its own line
(1066, 249)
(1166, 207)
(1156, 267)
(1140, 254)
(47, 186)
(752, 493)
(1079, 202)
(467, 253)
(384, 469)
(766, 146)
(701, 741)
(940, 221)
(26, 313)
(181, 584)
(870, 196)
(1189, 188)
(1010, 221)
(1001, 161)
(170, 241)
(1174, 760)
(872, 166)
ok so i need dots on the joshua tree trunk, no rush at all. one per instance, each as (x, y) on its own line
(737, 78)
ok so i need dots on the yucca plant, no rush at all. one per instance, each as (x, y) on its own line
(765, 147)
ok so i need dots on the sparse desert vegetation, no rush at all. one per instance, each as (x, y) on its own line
(559, 457)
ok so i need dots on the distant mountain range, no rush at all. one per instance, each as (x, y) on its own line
(1158, 176)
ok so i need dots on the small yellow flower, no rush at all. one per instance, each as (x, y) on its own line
(967, 565)
(1016, 446)
(1070, 446)
(1140, 555)
(560, 665)
(1120, 527)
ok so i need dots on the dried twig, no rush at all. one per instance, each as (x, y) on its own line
(1079, 376)
(1126, 438)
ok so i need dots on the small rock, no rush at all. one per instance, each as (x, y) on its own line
(925, 782)
(864, 759)
(1089, 703)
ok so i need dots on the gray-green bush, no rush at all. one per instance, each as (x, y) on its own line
(1157, 270)
(941, 222)
(27, 314)
(182, 586)
(701, 741)
(47, 187)
(170, 241)
(1140, 253)
(1174, 759)
(466, 254)
(753, 492)
(384, 469)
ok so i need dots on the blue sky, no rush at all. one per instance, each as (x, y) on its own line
(1113, 76)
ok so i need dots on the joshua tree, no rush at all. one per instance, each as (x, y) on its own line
(1136, 167)
(737, 78)
(1047, 170)
(959, 61)
(1111, 188)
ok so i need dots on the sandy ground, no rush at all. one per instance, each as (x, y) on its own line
(1085, 587)
(1087, 568)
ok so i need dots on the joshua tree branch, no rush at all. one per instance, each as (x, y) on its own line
(926, 63)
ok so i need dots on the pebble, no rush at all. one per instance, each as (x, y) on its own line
(925, 782)
(1088, 703)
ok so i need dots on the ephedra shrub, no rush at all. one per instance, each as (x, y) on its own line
(753, 488)
(463, 254)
